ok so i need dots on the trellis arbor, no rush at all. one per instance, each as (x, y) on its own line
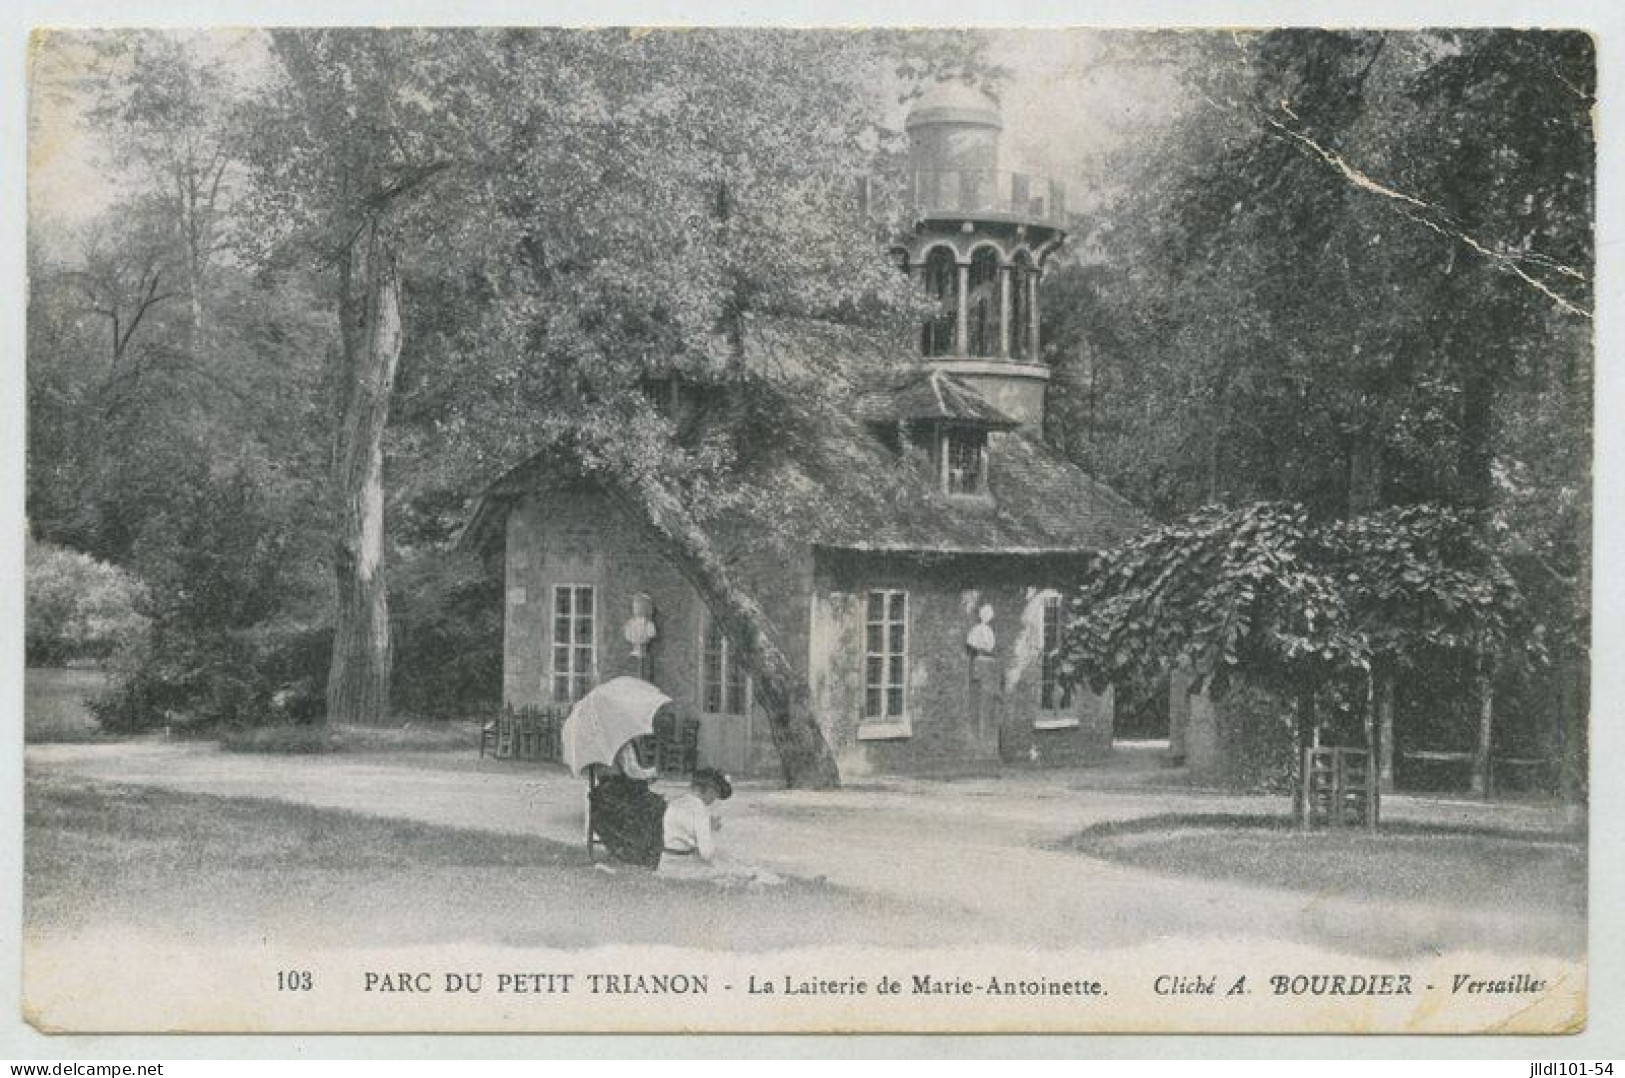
(1325, 615)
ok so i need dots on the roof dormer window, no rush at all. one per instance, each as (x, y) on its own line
(964, 460)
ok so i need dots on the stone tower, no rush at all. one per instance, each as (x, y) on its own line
(981, 234)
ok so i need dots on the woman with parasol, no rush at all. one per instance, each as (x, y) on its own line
(601, 739)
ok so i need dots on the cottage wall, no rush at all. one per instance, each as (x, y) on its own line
(580, 537)
(962, 712)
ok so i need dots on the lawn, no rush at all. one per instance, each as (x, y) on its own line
(168, 865)
(54, 703)
(1477, 868)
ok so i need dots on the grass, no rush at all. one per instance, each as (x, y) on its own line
(167, 865)
(54, 703)
(1474, 867)
(54, 711)
(307, 739)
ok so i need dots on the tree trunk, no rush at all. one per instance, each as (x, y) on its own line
(1300, 743)
(1385, 735)
(1477, 450)
(1483, 782)
(370, 310)
(804, 755)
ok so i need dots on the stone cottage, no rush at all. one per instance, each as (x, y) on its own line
(911, 560)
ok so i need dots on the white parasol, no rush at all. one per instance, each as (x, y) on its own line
(608, 717)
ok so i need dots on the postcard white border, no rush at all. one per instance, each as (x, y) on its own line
(1605, 1035)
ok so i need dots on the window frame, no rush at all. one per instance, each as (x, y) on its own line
(945, 443)
(728, 668)
(1057, 703)
(886, 723)
(572, 675)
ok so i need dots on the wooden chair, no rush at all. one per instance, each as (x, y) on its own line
(527, 738)
(505, 735)
(677, 743)
(586, 814)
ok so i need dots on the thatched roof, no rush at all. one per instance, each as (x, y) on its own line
(828, 476)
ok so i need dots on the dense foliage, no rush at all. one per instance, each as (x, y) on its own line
(77, 607)
(343, 279)
(1263, 593)
(1362, 286)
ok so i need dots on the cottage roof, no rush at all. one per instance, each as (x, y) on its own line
(828, 478)
(927, 395)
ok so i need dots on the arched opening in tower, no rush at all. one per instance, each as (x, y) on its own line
(942, 285)
(1021, 275)
(984, 303)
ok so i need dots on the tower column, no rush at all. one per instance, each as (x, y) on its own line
(1032, 317)
(962, 318)
(1004, 312)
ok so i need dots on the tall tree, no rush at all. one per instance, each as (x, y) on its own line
(663, 190)
(350, 136)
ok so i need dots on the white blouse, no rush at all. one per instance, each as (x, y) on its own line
(688, 827)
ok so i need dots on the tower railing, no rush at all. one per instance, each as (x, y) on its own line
(986, 192)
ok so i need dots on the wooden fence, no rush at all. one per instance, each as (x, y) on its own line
(533, 733)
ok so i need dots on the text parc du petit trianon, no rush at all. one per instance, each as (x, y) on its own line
(415, 982)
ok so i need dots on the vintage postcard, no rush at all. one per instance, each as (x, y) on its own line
(769, 530)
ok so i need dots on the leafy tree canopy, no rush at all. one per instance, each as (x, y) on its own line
(1262, 592)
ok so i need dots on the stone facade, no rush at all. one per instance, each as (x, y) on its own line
(575, 538)
(962, 712)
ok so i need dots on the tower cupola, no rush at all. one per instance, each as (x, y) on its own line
(979, 239)
(953, 127)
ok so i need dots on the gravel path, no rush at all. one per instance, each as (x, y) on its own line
(989, 848)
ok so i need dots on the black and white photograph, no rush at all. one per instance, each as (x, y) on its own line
(788, 530)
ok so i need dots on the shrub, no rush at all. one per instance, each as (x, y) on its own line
(77, 607)
(447, 633)
(231, 592)
(1256, 731)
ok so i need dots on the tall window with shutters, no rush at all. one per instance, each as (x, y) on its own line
(885, 660)
(724, 688)
(574, 641)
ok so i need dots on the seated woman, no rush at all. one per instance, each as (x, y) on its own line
(690, 829)
(690, 836)
(627, 816)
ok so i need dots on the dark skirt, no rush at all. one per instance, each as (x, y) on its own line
(630, 819)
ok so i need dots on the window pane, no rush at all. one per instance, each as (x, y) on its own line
(561, 629)
(584, 600)
(894, 703)
(874, 670)
(583, 630)
(871, 704)
(896, 606)
(894, 670)
(875, 641)
(896, 639)
(877, 600)
(711, 676)
(561, 600)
